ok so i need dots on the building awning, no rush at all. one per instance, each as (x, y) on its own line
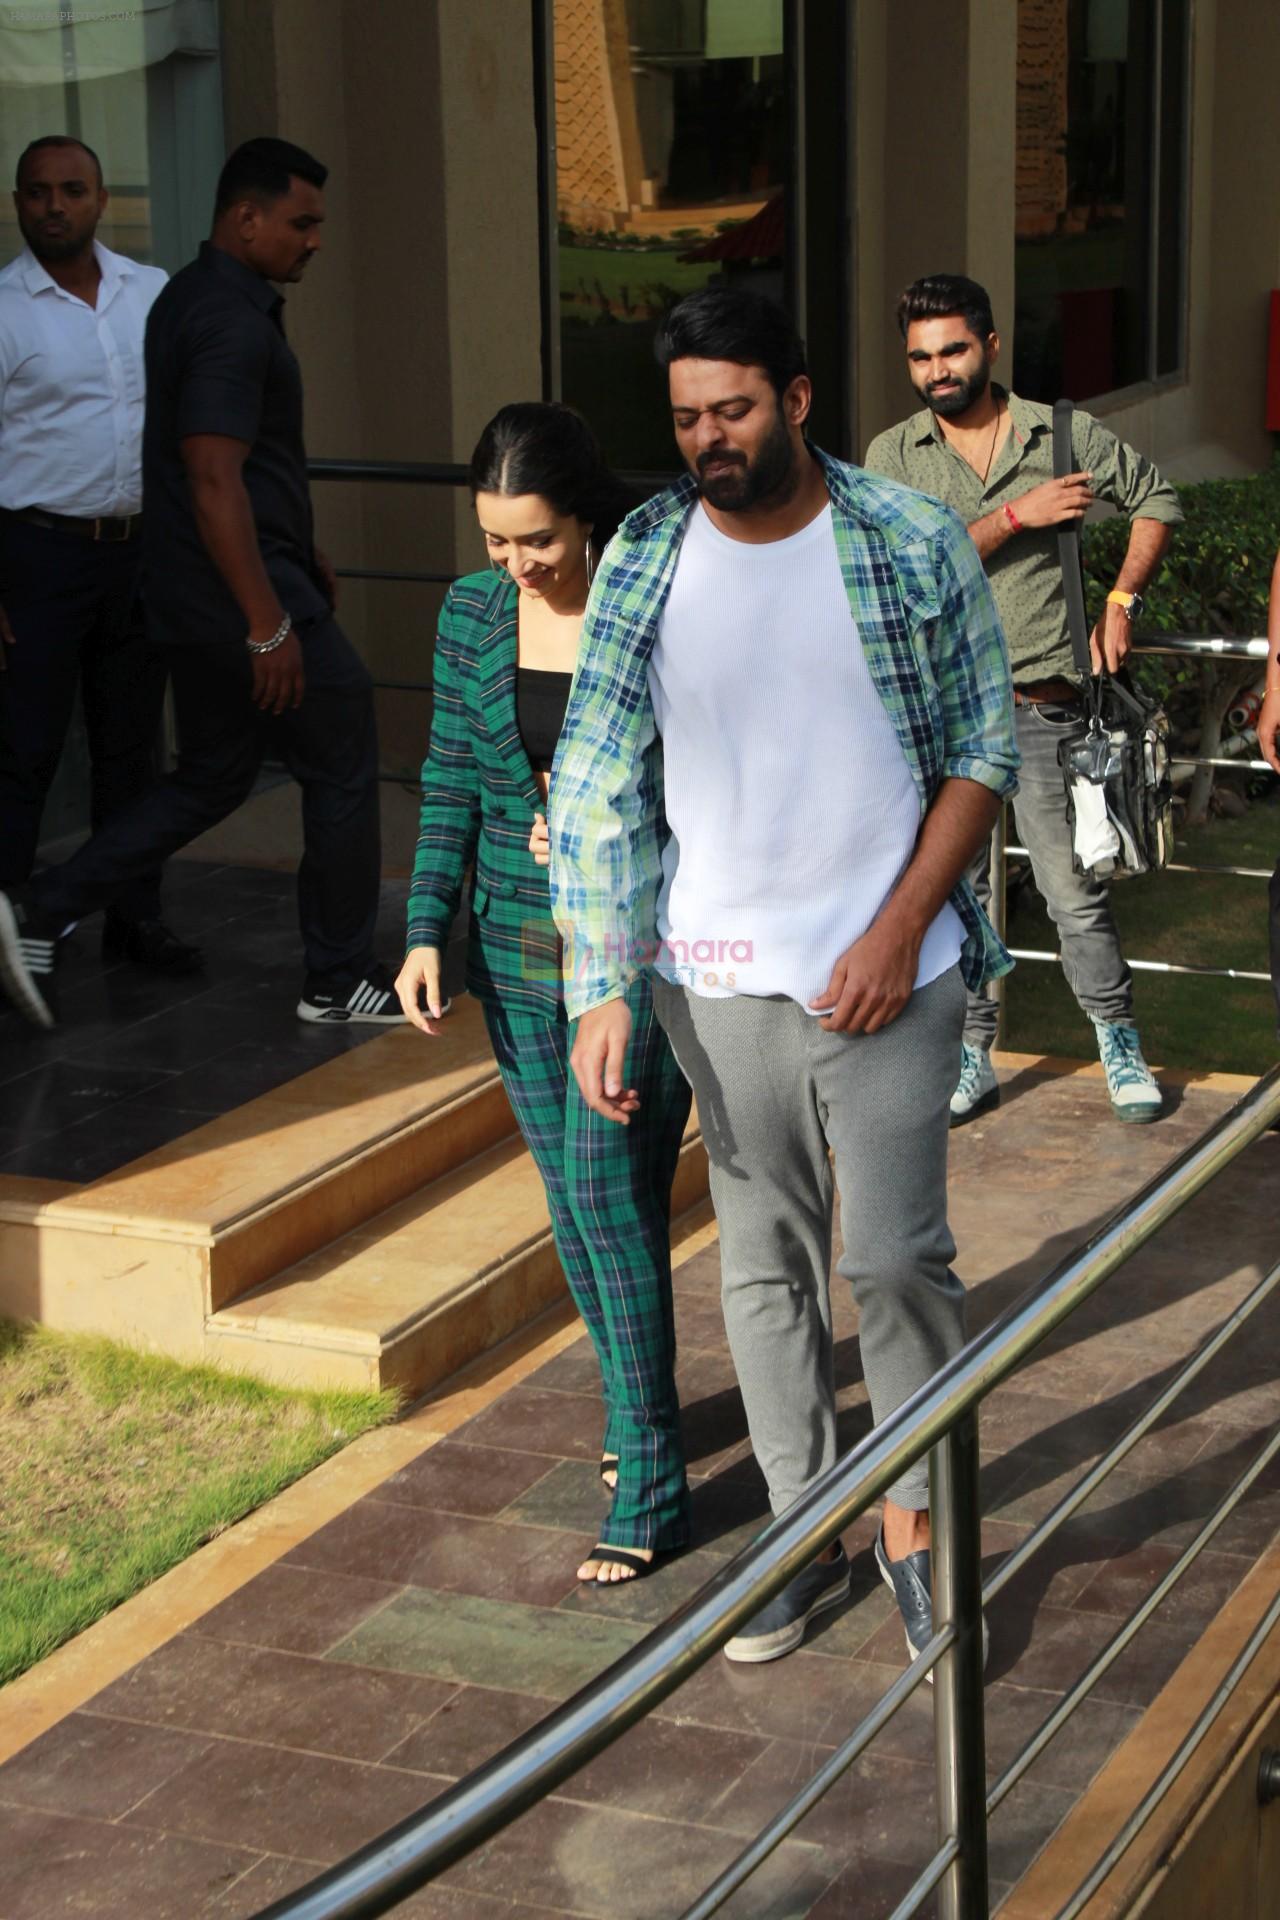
(46, 42)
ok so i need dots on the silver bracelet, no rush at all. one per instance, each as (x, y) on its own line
(277, 639)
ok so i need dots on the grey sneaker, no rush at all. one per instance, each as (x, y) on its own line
(978, 1090)
(910, 1582)
(1130, 1081)
(779, 1627)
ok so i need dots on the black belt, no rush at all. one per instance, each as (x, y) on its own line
(106, 526)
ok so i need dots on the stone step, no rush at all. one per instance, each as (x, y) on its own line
(408, 1298)
(148, 1252)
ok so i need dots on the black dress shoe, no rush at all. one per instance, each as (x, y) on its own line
(149, 944)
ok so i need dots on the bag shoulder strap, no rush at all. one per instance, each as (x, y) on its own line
(1069, 545)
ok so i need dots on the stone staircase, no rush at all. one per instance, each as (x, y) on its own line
(367, 1224)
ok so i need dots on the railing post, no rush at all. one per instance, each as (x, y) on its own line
(999, 906)
(959, 1730)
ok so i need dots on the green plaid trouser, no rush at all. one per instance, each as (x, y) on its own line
(609, 1192)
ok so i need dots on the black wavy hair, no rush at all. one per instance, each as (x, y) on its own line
(940, 294)
(261, 170)
(544, 447)
(733, 323)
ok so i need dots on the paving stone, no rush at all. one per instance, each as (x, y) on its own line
(496, 1643)
(55, 1865)
(569, 1494)
(567, 1426)
(95, 1768)
(284, 1699)
(1014, 1715)
(295, 1609)
(472, 1725)
(620, 1866)
(452, 1478)
(267, 1800)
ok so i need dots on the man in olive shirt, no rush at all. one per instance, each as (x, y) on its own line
(989, 455)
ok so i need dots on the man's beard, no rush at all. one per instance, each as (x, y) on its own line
(57, 247)
(962, 396)
(772, 475)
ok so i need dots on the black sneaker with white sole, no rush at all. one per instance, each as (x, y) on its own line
(28, 954)
(780, 1627)
(369, 1000)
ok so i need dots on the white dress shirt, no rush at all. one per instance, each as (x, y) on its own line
(72, 387)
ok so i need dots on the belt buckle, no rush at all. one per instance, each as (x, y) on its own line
(119, 522)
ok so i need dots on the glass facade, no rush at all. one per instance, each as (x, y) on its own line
(141, 86)
(1101, 197)
(673, 139)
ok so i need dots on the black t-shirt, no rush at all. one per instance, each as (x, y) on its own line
(218, 362)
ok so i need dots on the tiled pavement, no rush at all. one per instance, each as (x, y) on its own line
(414, 1635)
(139, 1060)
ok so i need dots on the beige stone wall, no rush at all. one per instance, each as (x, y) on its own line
(936, 204)
(421, 316)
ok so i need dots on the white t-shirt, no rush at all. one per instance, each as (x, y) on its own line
(791, 805)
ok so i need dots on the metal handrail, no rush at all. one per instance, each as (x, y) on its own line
(390, 1868)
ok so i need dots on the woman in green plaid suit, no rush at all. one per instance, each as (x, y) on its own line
(505, 653)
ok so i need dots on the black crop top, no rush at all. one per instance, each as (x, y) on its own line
(541, 699)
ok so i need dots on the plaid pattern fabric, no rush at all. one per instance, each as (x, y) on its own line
(933, 643)
(479, 798)
(609, 1192)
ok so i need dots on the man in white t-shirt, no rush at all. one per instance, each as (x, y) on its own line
(790, 729)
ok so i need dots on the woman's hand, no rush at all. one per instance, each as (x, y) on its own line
(539, 843)
(418, 979)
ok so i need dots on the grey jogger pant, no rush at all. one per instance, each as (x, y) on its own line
(774, 1090)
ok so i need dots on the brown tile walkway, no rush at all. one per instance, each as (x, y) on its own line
(414, 1635)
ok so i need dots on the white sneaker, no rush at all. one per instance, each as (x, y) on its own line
(1130, 1081)
(978, 1090)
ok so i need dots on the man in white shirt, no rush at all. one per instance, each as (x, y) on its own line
(72, 320)
(790, 726)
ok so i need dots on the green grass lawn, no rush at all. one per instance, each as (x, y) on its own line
(1218, 920)
(115, 1465)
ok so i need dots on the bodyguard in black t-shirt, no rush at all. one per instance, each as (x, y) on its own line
(242, 605)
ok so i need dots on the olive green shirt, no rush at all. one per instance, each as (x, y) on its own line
(1025, 573)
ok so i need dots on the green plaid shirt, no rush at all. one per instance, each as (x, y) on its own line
(936, 653)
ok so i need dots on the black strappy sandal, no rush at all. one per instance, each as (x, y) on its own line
(619, 1557)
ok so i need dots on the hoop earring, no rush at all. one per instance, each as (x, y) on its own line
(591, 562)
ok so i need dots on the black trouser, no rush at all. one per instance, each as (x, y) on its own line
(73, 606)
(329, 745)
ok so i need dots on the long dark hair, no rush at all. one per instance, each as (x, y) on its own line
(544, 447)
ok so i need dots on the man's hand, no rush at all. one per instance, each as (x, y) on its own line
(871, 982)
(1269, 725)
(1054, 503)
(1112, 639)
(418, 980)
(7, 637)
(539, 843)
(598, 1059)
(328, 578)
(278, 681)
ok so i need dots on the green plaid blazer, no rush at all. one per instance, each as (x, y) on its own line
(479, 798)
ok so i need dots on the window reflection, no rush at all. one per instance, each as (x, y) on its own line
(672, 135)
(1099, 130)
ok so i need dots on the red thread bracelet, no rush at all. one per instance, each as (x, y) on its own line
(1012, 518)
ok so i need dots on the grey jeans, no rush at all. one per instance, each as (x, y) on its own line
(774, 1091)
(1079, 908)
